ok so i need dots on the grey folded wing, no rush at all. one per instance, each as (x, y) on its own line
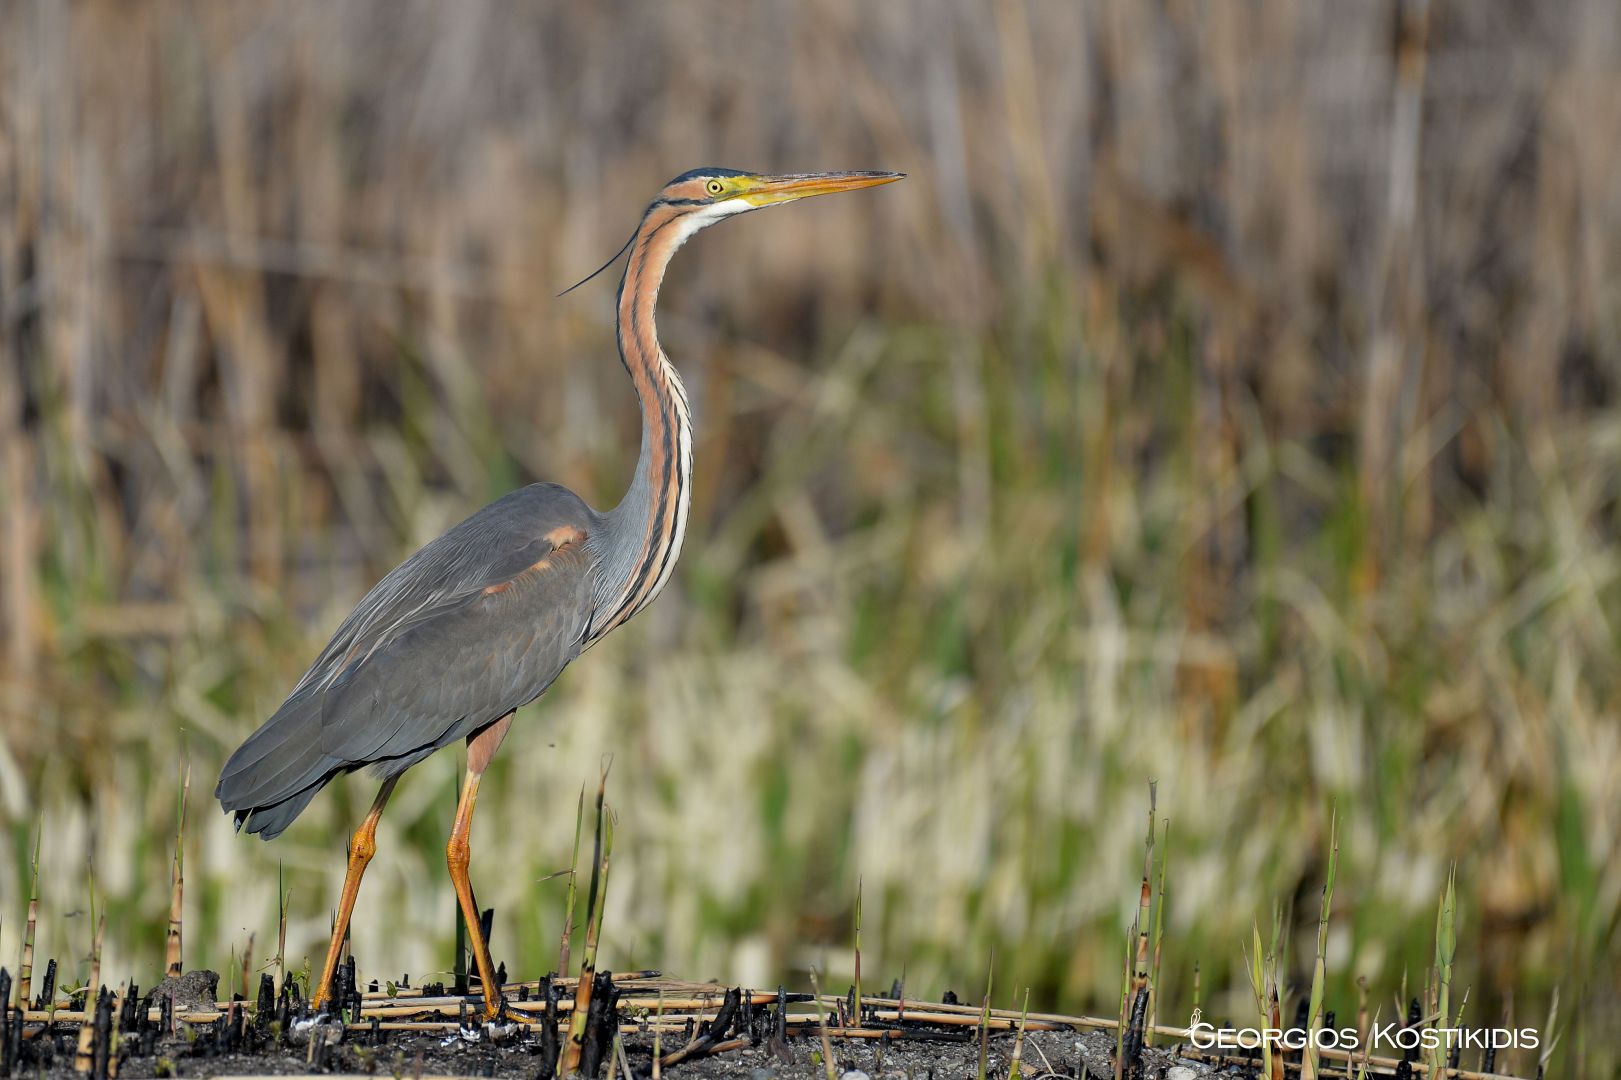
(474, 625)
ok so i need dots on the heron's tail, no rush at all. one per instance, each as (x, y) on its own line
(277, 771)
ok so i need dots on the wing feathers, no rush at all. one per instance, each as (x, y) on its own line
(475, 624)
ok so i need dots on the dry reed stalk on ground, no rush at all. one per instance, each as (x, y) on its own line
(25, 970)
(985, 1018)
(1446, 953)
(821, 1026)
(561, 982)
(282, 898)
(1123, 1012)
(1319, 974)
(93, 983)
(84, 1058)
(573, 878)
(596, 900)
(247, 966)
(1018, 1044)
(1159, 935)
(855, 991)
(178, 877)
(658, 1038)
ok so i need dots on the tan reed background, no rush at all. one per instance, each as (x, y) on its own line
(1228, 397)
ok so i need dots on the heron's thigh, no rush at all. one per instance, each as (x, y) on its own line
(482, 744)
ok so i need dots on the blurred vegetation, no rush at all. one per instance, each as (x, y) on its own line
(1228, 397)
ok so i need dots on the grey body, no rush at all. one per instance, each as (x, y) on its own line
(451, 640)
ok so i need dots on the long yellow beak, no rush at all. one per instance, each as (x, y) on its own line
(772, 190)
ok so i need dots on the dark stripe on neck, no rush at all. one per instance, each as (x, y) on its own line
(641, 357)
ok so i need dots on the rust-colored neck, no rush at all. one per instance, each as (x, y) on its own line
(647, 527)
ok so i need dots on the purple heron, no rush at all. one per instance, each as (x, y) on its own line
(481, 620)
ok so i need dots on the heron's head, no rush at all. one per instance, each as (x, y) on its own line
(710, 194)
(700, 197)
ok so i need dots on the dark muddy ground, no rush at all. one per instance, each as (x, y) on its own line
(179, 1030)
(405, 1055)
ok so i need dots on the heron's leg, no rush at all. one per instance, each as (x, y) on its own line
(362, 846)
(480, 749)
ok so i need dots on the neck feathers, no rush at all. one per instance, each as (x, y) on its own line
(650, 522)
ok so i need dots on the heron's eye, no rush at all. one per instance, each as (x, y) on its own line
(714, 187)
